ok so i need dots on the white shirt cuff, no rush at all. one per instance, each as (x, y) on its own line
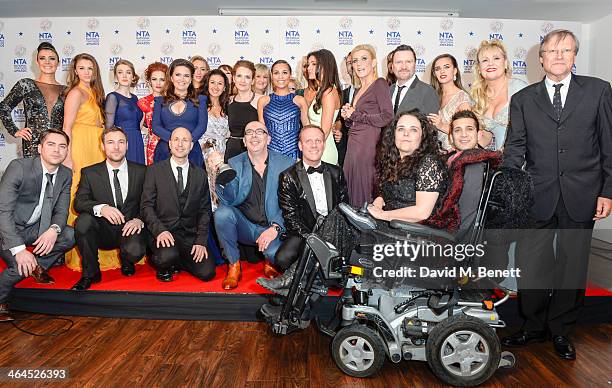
(17, 249)
(97, 210)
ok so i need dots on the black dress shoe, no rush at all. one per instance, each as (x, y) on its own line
(5, 314)
(164, 276)
(86, 282)
(41, 276)
(564, 347)
(524, 337)
(175, 269)
(127, 269)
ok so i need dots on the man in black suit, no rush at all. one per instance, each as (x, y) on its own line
(176, 209)
(34, 200)
(561, 127)
(108, 203)
(308, 189)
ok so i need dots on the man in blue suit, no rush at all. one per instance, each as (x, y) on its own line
(248, 211)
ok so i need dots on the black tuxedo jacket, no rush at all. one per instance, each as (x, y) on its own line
(95, 188)
(296, 199)
(160, 202)
(571, 157)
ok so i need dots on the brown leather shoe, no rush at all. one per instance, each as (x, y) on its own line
(5, 314)
(234, 274)
(269, 271)
(41, 276)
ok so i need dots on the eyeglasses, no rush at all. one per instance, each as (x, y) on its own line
(256, 131)
(555, 52)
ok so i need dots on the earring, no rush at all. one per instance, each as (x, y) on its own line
(454, 78)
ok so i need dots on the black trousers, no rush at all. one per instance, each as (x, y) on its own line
(164, 258)
(93, 233)
(289, 251)
(554, 271)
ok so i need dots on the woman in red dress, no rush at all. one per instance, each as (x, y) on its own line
(155, 74)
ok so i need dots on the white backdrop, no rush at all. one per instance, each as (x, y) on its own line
(224, 39)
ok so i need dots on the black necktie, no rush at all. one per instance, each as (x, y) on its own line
(557, 106)
(312, 170)
(397, 98)
(118, 196)
(179, 178)
(45, 214)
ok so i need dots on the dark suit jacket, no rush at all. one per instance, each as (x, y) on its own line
(236, 191)
(95, 188)
(571, 157)
(341, 146)
(160, 202)
(297, 200)
(420, 96)
(19, 194)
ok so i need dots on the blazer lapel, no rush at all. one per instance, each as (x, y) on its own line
(305, 182)
(328, 189)
(574, 96)
(170, 178)
(543, 100)
(107, 185)
(411, 89)
(189, 185)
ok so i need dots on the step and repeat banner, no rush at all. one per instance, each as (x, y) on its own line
(225, 39)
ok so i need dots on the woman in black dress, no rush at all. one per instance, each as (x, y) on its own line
(42, 101)
(242, 108)
(410, 172)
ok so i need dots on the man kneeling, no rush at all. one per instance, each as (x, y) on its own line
(176, 209)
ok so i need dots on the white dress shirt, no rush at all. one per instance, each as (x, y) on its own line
(408, 84)
(184, 172)
(123, 184)
(318, 190)
(38, 209)
(564, 89)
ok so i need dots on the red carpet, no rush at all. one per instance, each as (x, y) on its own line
(144, 281)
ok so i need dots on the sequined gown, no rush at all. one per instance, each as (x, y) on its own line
(282, 118)
(123, 112)
(43, 107)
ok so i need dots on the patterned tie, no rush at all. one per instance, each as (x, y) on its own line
(118, 196)
(179, 177)
(557, 106)
(397, 98)
(45, 214)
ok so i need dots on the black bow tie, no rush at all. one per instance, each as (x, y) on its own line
(312, 170)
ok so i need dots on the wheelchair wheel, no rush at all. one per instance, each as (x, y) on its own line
(463, 351)
(358, 350)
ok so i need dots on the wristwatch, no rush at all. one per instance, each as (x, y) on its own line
(276, 227)
(57, 229)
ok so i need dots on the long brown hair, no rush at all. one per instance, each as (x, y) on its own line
(168, 92)
(326, 74)
(434, 80)
(95, 84)
(389, 166)
(224, 97)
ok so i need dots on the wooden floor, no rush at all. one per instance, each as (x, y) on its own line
(104, 352)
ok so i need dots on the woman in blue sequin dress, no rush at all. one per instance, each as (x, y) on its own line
(283, 112)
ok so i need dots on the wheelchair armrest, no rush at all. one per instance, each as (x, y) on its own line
(421, 230)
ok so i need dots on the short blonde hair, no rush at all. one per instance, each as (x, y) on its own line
(370, 49)
(260, 68)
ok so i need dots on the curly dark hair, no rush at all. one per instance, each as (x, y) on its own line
(168, 92)
(389, 166)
